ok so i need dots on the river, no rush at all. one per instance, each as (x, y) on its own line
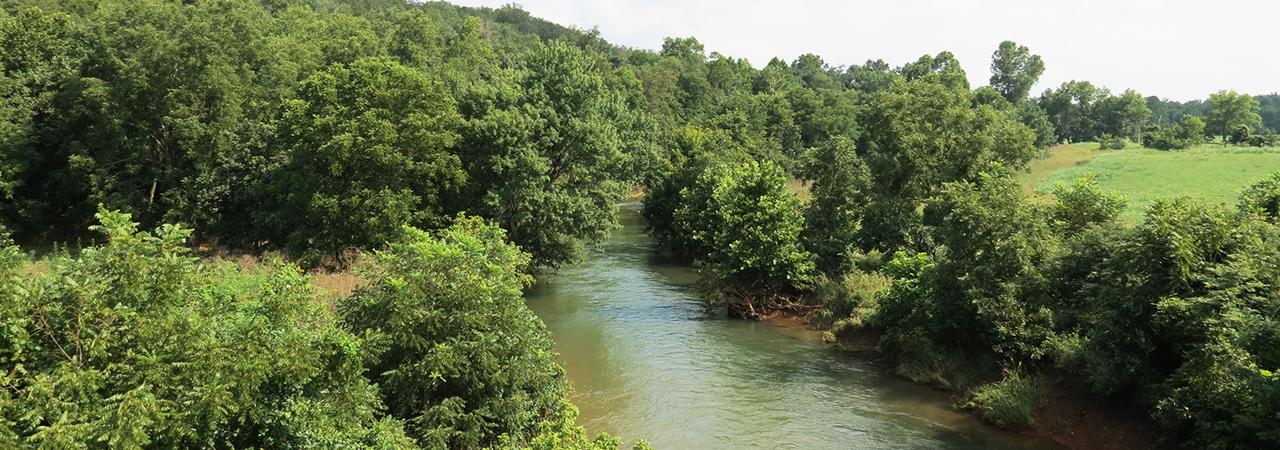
(647, 360)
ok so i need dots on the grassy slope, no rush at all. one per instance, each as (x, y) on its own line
(1210, 173)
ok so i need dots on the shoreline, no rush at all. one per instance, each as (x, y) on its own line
(1070, 416)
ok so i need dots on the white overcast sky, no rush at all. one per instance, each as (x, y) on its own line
(1178, 49)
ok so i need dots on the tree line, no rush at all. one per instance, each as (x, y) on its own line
(309, 128)
(462, 149)
(459, 152)
(918, 232)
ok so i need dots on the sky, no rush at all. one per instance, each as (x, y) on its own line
(1177, 49)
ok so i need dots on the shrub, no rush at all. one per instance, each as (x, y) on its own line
(1109, 142)
(1008, 403)
(1263, 197)
(905, 312)
(134, 344)
(1185, 134)
(1168, 255)
(1239, 135)
(1082, 204)
(1269, 139)
(851, 296)
(455, 351)
(1225, 393)
(987, 276)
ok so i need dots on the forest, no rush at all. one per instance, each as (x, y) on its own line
(449, 155)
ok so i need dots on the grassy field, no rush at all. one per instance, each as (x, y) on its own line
(1210, 173)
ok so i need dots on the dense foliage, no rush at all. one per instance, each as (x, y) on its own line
(982, 280)
(1186, 133)
(367, 152)
(453, 349)
(545, 147)
(746, 227)
(1177, 312)
(466, 148)
(310, 127)
(1081, 112)
(135, 344)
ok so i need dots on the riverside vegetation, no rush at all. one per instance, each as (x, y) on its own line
(463, 150)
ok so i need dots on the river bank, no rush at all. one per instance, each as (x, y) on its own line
(648, 359)
(1068, 414)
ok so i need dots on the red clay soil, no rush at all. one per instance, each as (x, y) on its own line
(1081, 420)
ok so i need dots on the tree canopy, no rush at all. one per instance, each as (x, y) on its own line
(456, 151)
(1014, 69)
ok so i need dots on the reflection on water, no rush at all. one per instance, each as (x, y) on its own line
(647, 360)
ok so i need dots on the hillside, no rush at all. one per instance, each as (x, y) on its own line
(1207, 173)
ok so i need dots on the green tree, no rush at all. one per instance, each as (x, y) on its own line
(1228, 110)
(988, 273)
(1034, 117)
(869, 77)
(456, 353)
(728, 76)
(40, 53)
(696, 149)
(749, 226)
(1123, 115)
(823, 114)
(776, 76)
(980, 299)
(1188, 132)
(943, 68)
(1169, 254)
(919, 135)
(369, 151)
(1072, 107)
(833, 216)
(545, 154)
(1014, 70)
(813, 72)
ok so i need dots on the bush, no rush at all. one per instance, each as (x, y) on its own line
(671, 190)
(134, 344)
(1239, 135)
(1008, 403)
(987, 280)
(852, 296)
(455, 351)
(1082, 204)
(905, 312)
(1263, 197)
(1269, 139)
(1185, 134)
(1109, 142)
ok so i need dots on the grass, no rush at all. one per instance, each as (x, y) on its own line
(1008, 403)
(338, 285)
(1056, 159)
(1209, 173)
(333, 285)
